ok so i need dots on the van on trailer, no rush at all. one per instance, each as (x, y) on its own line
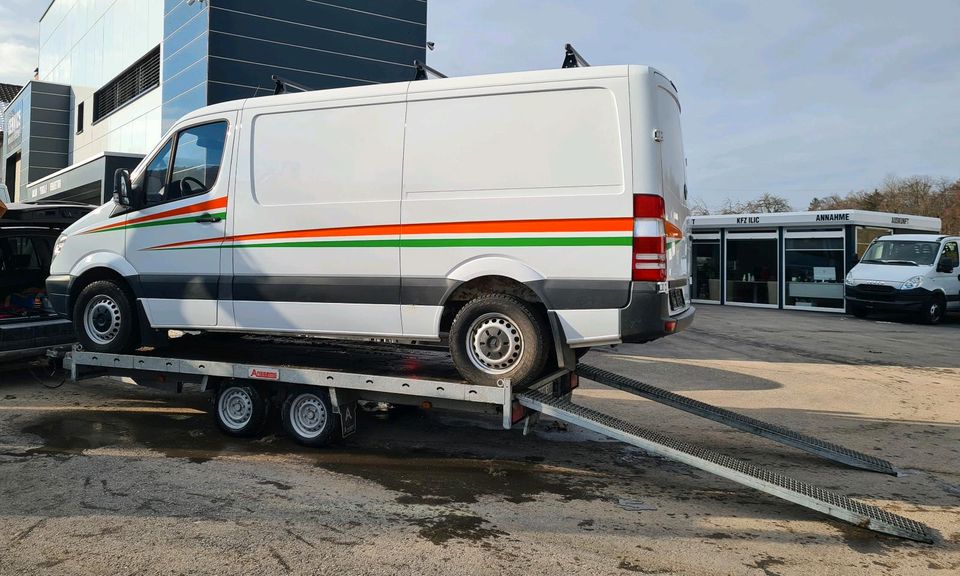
(503, 213)
(907, 273)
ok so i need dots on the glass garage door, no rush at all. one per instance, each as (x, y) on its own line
(706, 268)
(813, 266)
(751, 269)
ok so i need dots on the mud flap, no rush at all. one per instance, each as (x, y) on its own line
(345, 405)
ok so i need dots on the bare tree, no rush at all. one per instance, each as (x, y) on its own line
(699, 208)
(766, 204)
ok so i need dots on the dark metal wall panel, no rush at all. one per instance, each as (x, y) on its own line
(412, 10)
(329, 16)
(184, 72)
(317, 43)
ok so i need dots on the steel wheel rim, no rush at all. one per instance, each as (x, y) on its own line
(935, 311)
(102, 319)
(308, 415)
(494, 343)
(235, 408)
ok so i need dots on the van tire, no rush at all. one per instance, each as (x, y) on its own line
(858, 310)
(241, 409)
(933, 310)
(518, 335)
(104, 318)
(307, 416)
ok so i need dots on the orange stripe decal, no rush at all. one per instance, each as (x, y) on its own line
(487, 227)
(208, 205)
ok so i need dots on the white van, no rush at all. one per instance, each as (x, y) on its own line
(480, 207)
(917, 273)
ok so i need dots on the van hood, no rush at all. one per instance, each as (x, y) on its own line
(892, 274)
(94, 217)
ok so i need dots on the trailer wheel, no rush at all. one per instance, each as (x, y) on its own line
(104, 318)
(241, 410)
(308, 417)
(498, 336)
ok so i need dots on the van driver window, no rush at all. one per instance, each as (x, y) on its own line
(197, 160)
(155, 176)
(950, 255)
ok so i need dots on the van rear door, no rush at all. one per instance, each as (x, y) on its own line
(673, 182)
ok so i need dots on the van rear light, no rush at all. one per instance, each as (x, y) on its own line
(649, 239)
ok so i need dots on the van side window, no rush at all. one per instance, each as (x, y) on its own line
(155, 176)
(950, 255)
(197, 159)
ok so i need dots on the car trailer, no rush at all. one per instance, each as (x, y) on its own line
(320, 383)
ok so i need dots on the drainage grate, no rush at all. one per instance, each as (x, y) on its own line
(738, 421)
(836, 505)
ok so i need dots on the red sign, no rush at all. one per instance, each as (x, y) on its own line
(265, 373)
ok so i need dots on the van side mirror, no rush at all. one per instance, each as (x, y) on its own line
(122, 188)
(946, 267)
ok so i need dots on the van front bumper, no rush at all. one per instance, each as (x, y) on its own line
(892, 300)
(647, 316)
(58, 292)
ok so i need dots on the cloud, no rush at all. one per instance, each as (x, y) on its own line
(796, 98)
(18, 39)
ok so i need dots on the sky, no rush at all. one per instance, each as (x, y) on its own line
(796, 98)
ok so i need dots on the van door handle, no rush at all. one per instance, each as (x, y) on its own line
(207, 219)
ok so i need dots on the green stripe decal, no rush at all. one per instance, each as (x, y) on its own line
(182, 220)
(433, 243)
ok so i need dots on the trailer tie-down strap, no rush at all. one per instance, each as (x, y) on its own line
(739, 421)
(835, 505)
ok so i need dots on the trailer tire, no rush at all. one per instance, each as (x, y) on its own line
(499, 336)
(308, 417)
(104, 318)
(241, 409)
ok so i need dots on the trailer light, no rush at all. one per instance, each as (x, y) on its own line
(426, 405)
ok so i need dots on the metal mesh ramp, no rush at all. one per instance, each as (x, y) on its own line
(847, 509)
(738, 421)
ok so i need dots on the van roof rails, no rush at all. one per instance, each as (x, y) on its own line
(423, 69)
(573, 59)
(283, 85)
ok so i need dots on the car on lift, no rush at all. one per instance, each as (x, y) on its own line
(28, 324)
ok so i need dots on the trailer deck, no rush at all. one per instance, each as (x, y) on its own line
(406, 375)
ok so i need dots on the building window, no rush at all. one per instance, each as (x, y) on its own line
(706, 267)
(866, 235)
(814, 269)
(80, 118)
(752, 264)
(142, 77)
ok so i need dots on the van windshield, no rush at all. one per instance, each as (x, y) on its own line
(901, 252)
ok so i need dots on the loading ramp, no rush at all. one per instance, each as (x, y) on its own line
(741, 422)
(559, 406)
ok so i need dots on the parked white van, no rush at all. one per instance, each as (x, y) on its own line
(474, 208)
(917, 273)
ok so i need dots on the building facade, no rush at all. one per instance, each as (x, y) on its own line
(113, 75)
(792, 260)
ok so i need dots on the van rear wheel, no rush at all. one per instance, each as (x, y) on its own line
(498, 336)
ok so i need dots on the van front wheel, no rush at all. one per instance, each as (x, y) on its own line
(932, 312)
(498, 336)
(103, 318)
